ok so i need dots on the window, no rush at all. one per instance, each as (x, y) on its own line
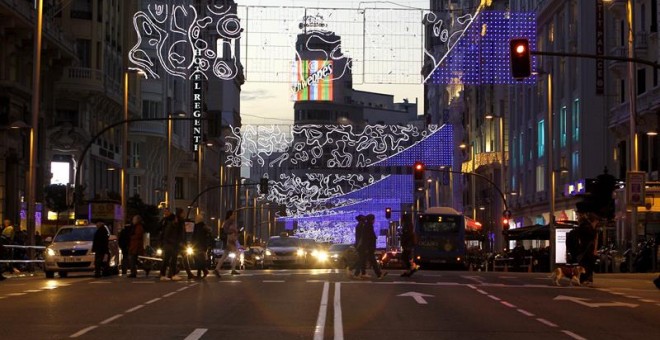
(575, 163)
(178, 188)
(151, 109)
(576, 120)
(134, 154)
(641, 81)
(82, 9)
(622, 91)
(541, 137)
(540, 178)
(136, 185)
(84, 52)
(563, 127)
(521, 142)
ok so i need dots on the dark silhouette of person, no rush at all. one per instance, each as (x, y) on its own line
(101, 248)
(408, 242)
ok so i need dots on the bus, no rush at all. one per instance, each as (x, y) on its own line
(441, 237)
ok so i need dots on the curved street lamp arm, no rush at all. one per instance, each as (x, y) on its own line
(506, 206)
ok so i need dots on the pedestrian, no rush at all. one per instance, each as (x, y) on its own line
(518, 254)
(136, 243)
(123, 241)
(408, 242)
(229, 228)
(101, 248)
(359, 230)
(588, 221)
(201, 241)
(171, 238)
(367, 249)
(8, 230)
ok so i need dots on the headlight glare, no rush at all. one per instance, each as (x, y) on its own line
(50, 252)
(300, 252)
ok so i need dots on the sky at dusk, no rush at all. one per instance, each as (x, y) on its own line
(271, 103)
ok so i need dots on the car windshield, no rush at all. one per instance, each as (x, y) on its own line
(308, 242)
(339, 247)
(75, 234)
(284, 242)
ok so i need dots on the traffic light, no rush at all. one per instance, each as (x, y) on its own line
(263, 186)
(505, 223)
(418, 175)
(521, 66)
(388, 213)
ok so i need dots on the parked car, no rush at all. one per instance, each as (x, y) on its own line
(71, 251)
(284, 251)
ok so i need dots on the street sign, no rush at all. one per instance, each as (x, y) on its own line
(419, 297)
(635, 188)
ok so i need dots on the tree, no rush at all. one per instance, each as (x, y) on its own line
(55, 197)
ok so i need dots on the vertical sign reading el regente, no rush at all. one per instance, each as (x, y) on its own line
(198, 106)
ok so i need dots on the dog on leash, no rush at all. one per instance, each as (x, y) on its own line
(571, 272)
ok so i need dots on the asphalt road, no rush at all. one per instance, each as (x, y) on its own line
(325, 304)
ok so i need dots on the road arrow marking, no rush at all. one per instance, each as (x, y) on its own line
(584, 302)
(419, 297)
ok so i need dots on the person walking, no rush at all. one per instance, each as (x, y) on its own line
(588, 221)
(201, 242)
(100, 248)
(367, 249)
(359, 230)
(171, 238)
(408, 242)
(123, 241)
(229, 228)
(136, 243)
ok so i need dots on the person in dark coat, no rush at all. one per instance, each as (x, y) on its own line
(588, 221)
(101, 248)
(136, 243)
(367, 248)
(408, 241)
(201, 242)
(359, 230)
(171, 238)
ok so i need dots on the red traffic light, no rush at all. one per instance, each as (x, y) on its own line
(519, 54)
(388, 213)
(505, 224)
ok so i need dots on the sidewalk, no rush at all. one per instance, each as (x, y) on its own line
(628, 280)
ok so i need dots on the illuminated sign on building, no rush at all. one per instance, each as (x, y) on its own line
(198, 106)
(313, 80)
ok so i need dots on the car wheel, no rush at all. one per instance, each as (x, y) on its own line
(63, 274)
(50, 274)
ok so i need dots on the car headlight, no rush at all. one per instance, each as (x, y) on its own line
(268, 252)
(50, 252)
(257, 258)
(232, 255)
(322, 256)
(315, 253)
(189, 250)
(335, 256)
(159, 252)
(300, 252)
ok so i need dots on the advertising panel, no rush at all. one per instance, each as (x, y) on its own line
(312, 80)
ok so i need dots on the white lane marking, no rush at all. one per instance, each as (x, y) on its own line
(546, 322)
(136, 282)
(111, 319)
(633, 297)
(339, 326)
(323, 309)
(16, 294)
(196, 334)
(182, 289)
(647, 300)
(507, 304)
(230, 281)
(134, 309)
(82, 331)
(315, 281)
(152, 301)
(494, 297)
(273, 281)
(33, 291)
(573, 335)
(482, 292)
(525, 312)
(101, 282)
(169, 294)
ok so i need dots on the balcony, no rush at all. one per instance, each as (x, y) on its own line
(83, 79)
(618, 67)
(647, 103)
(483, 159)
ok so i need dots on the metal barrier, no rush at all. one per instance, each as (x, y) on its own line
(14, 246)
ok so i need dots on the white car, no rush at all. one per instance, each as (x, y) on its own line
(284, 251)
(71, 251)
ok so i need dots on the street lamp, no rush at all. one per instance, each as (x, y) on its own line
(124, 152)
(168, 167)
(34, 130)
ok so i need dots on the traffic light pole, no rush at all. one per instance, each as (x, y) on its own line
(594, 56)
(506, 206)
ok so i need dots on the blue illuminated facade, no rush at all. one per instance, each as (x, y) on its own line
(481, 56)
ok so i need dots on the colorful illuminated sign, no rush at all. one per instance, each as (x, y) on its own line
(313, 80)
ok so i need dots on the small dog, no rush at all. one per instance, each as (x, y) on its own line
(571, 272)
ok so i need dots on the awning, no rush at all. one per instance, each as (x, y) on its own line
(536, 232)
